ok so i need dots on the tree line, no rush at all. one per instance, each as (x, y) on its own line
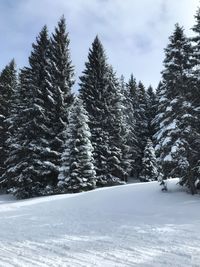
(54, 141)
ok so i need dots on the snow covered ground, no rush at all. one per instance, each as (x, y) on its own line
(130, 225)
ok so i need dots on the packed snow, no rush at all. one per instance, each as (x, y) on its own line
(129, 225)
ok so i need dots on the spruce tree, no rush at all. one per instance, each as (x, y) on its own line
(189, 146)
(142, 99)
(92, 91)
(118, 165)
(77, 171)
(172, 107)
(62, 79)
(141, 123)
(8, 87)
(149, 164)
(30, 167)
(130, 102)
(151, 111)
(96, 90)
(196, 56)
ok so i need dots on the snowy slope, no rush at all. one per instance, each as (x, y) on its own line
(130, 225)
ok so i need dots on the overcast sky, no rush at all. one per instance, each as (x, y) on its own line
(133, 32)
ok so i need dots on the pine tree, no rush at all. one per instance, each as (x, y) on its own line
(92, 91)
(8, 86)
(61, 78)
(189, 145)
(141, 123)
(142, 114)
(30, 168)
(149, 164)
(118, 165)
(77, 172)
(173, 100)
(130, 101)
(96, 90)
(132, 88)
(151, 110)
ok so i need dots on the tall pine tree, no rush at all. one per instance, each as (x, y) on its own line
(151, 110)
(8, 87)
(118, 165)
(62, 79)
(98, 90)
(30, 167)
(130, 103)
(173, 141)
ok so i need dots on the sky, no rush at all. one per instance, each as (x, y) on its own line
(134, 33)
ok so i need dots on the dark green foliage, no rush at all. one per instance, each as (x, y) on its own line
(61, 77)
(100, 94)
(116, 127)
(130, 104)
(8, 87)
(151, 111)
(30, 170)
(92, 92)
(104, 137)
(175, 119)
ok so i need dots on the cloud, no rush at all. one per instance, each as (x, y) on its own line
(134, 33)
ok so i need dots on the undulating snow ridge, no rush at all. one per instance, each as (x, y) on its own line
(131, 225)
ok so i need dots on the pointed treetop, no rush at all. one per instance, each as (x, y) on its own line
(150, 90)
(44, 32)
(61, 26)
(141, 87)
(98, 44)
(177, 54)
(97, 59)
(178, 34)
(196, 27)
(12, 63)
(42, 37)
(39, 47)
(7, 71)
(132, 85)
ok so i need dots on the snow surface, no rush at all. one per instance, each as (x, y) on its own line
(129, 225)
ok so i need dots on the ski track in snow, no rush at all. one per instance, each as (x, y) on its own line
(123, 226)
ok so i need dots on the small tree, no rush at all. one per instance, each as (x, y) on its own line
(149, 164)
(77, 171)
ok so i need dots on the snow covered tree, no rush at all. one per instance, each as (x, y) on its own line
(8, 86)
(129, 103)
(132, 88)
(77, 171)
(118, 165)
(30, 170)
(97, 89)
(188, 151)
(61, 78)
(139, 97)
(142, 114)
(92, 91)
(149, 164)
(151, 110)
(172, 104)
(196, 56)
